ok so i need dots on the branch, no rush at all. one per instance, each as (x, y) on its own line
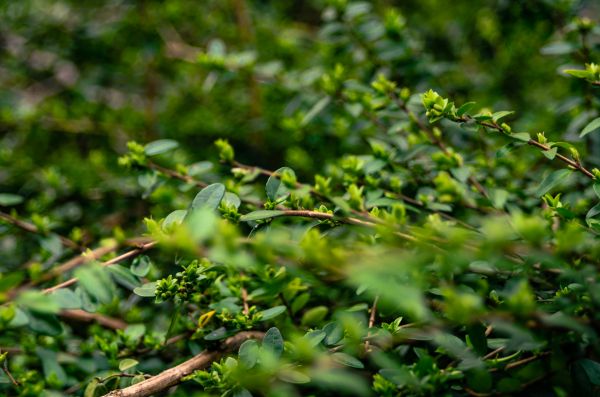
(173, 376)
(31, 228)
(129, 254)
(105, 321)
(570, 162)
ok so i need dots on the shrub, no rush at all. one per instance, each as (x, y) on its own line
(412, 244)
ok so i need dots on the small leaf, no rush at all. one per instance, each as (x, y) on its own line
(521, 136)
(595, 210)
(124, 277)
(551, 181)
(261, 214)
(217, 334)
(592, 126)
(596, 187)
(347, 360)
(8, 199)
(465, 107)
(95, 280)
(557, 48)
(273, 342)
(579, 73)
(477, 338)
(67, 299)
(209, 197)
(174, 218)
(499, 115)
(292, 376)
(140, 266)
(38, 302)
(550, 154)
(232, 199)
(271, 313)
(160, 146)
(275, 189)
(248, 353)
(127, 363)
(591, 369)
(147, 290)
(506, 149)
(314, 315)
(315, 110)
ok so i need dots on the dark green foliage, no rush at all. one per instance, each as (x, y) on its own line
(281, 189)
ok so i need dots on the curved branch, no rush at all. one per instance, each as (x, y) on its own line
(174, 376)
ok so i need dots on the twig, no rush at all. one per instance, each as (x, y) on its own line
(570, 162)
(7, 372)
(129, 254)
(31, 228)
(80, 315)
(371, 321)
(174, 376)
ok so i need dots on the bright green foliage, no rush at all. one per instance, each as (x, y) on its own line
(178, 174)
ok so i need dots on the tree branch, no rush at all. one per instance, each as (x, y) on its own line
(173, 376)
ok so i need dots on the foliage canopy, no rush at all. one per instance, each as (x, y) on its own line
(246, 198)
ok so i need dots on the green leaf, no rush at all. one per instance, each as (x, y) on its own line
(465, 107)
(45, 324)
(271, 313)
(315, 110)
(557, 48)
(217, 334)
(147, 290)
(127, 363)
(209, 197)
(273, 342)
(95, 280)
(579, 73)
(508, 148)
(38, 302)
(123, 276)
(232, 199)
(275, 188)
(314, 316)
(499, 115)
(261, 214)
(592, 126)
(335, 333)
(174, 218)
(134, 332)
(347, 360)
(50, 364)
(551, 181)
(8, 199)
(248, 353)
(140, 266)
(596, 188)
(550, 154)
(292, 376)
(521, 136)
(160, 146)
(591, 369)
(67, 299)
(594, 211)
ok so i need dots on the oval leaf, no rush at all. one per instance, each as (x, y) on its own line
(347, 360)
(271, 313)
(592, 126)
(551, 181)
(260, 214)
(273, 341)
(209, 197)
(160, 146)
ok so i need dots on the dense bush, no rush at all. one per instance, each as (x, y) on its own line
(245, 198)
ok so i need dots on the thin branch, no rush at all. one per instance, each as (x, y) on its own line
(570, 162)
(31, 228)
(174, 376)
(105, 321)
(127, 255)
(371, 322)
(7, 371)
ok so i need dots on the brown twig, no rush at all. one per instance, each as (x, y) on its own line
(31, 228)
(174, 376)
(371, 321)
(105, 321)
(7, 372)
(575, 164)
(129, 254)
